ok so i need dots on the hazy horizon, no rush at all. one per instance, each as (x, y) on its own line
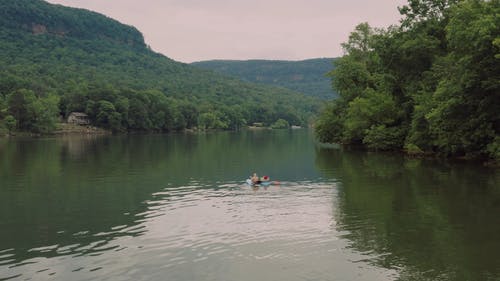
(198, 30)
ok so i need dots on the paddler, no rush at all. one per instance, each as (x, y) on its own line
(255, 179)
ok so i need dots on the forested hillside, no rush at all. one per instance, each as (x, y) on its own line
(307, 76)
(431, 84)
(56, 60)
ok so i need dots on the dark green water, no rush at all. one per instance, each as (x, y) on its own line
(175, 207)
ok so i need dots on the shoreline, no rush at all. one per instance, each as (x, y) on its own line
(484, 161)
(71, 129)
(65, 129)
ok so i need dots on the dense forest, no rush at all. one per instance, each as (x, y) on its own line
(57, 60)
(428, 85)
(307, 76)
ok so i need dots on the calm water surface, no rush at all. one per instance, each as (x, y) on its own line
(175, 207)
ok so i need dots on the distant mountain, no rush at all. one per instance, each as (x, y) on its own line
(307, 76)
(57, 60)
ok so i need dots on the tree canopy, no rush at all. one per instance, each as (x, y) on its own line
(306, 76)
(431, 84)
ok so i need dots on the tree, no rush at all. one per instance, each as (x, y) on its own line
(213, 120)
(371, 109)
(37, 114)
(190, 113)
(280, 124)
(359, 43)
(46, 113)
(329, 126)
(418, 11)
(107, 117)
(463, 116)
(138, 115)
(432, 84)
(19, 106)
(10, 122)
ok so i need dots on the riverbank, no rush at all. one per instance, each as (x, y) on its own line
(62, 129)
(72, 129)
(479, 159)
(65, 129)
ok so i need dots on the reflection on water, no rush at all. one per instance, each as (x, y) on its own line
(430, 220)
(176, 208)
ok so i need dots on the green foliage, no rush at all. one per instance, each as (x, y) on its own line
(351, 77)
(92, 64)
(41, 17)
(359, 43)
(307, 76)
(212, 120)
(280, 124)
(107, 117)
(32, 113)
(10, 123)
(370, 109)
(494, 148)
(418, 11)
(20, 107)
(413, 149)
(46, 113)
(430, 85)
(383, 138)
(329, 126)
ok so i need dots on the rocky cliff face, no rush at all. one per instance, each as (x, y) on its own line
(39, 17)
(39, 29)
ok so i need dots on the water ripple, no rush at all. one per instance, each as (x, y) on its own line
(204, 225)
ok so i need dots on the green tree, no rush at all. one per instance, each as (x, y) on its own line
(20, 107)
(10, 122)
(190, 113)
(280, 124)
(107, 116)
(329, 126)
(359, 43)
(46, 113)
(463, 117)
(418, 11)
(122, 106)
(34, 114)
(212, 120)
(138, 115)
(371, 109)
(430, 85)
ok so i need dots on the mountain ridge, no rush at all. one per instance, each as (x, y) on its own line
(54, 51)
(306, 76)
(40, 17)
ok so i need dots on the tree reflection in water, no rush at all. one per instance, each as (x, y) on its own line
(430, 219)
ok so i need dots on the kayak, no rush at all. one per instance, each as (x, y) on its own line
(264, 183)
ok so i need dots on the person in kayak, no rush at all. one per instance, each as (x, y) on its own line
(255, 179)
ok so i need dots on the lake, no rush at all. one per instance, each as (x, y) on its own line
(176, 207)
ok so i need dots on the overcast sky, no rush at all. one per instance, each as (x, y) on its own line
(194, 30)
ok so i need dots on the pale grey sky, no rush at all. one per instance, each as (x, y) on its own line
(194, 30)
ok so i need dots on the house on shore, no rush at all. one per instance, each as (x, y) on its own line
(78, 118)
